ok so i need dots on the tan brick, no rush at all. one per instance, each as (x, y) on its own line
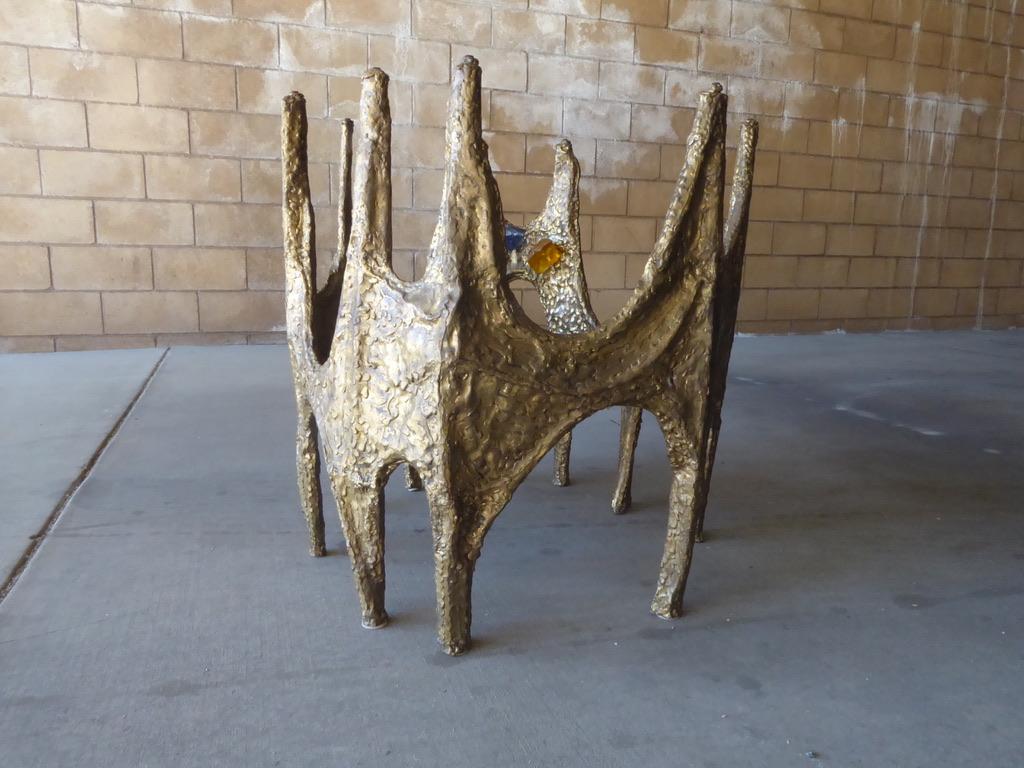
(417, 60)
(822, 272)
(137, 129)
(590, 8)
(521, 193)
(91, 174)
(798, 239)
(840, 69)
(888, 302)
(792, 304)
(143, 223)
(48, 312)
(329, 51)
(201, 339)
(231, 41)
(131, 31)
(22, 344)
(934, 302)
(301, 11)
(756, 97)
(563, 76)
(869, 39)
(650, 12)
(198, 268)
(683, 89)
(242, 311)
(666, 47)
(390, 18)
(756, 21)
(733, 57)
(604, 270)
(451, 22)
(14, 78)
(596, 119)
(632, 82)
(187, 84)
(99, 268)
(770, 272)
(887, 76)
(45, 220)
(856, 175)
(35, 122)
(256, 225)
(113, 341)
(871, 272)
(850, 240)
(806, 171)
(24, 268)
(707, 16)
(917, 273)
(526, 113)
(261, 182)
(810, 101)
(507, 152)
(779, 62)
(649, 198)
(961, 273)
(235, 135)
(192, 178)
(753, 304)
(816, 30)
(417, 147)
(877, 209)
(264, 268)
(842, 303)
(413, 229)
(624, 235)
(83, 75)
(207, 7)
(1010, 301)
(20, 171)
(608, 302)
(920, 47)
(528, 30)
(150, 312)
(38, 22)
(777, 205)
(628, 160)
(599, 39)
(505, 70)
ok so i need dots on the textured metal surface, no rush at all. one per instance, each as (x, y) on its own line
(563, 294)
(439, 373)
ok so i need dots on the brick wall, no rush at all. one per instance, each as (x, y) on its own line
(139, 145)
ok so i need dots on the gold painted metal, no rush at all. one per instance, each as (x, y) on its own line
(562, 289)
(438, 373)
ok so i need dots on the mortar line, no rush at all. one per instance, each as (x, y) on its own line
(37, 539)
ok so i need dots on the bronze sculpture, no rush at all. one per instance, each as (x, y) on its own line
(437, 373)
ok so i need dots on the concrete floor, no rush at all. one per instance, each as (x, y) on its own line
(859, 602)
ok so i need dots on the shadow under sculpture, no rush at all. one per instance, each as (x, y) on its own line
(438, 373)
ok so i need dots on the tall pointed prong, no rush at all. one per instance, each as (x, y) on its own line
(344, 193)
(682, 532)
(563, 449)
(299, 233)
(307, 463)
(370, 239)
(629, 432)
